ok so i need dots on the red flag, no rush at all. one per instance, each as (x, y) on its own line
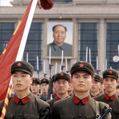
(10, 53)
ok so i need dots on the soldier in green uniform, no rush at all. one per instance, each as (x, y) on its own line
(35, 87)
(24, 104)
(81, 105)
(110, 97)
(62, 81)
(96, 84)
(44, 88)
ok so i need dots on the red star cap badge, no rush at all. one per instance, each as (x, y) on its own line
(19, 65)
(81, 65)
(61, 74)
(34, 79)
(43, 79)
(94, 76)
(110, 72)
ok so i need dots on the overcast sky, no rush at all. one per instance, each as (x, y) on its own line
(5, 2)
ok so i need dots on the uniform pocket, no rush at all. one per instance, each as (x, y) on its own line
(67, 117)
(30, 116)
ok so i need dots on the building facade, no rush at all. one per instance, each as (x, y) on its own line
(95, 33)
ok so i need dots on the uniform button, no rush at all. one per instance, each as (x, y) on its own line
(19, 114)
(80, 116)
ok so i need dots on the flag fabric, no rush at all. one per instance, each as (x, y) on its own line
(10, 54)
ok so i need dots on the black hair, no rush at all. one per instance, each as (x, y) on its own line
(58, 25)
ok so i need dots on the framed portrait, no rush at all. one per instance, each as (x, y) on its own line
(59, 39)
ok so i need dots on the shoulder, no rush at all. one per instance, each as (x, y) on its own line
(63, 102)
(99, 97)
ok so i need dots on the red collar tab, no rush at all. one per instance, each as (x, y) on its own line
(77, 100)
(58, 98)
(110, 72)
(109, 98)
(94, 96)
(81, 65)
(22, 100)
(55, 95)
(61, 74)
(19, 65)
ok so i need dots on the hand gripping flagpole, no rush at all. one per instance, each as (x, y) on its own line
(6, 102)
(45, 4)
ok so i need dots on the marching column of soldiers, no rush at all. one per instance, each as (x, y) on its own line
(80, 94)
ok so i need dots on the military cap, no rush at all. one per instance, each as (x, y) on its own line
(22, 66)
(110, 73)
(63, 75)
(36, 81)
(97, 77)
(44, 80)
(82, 66)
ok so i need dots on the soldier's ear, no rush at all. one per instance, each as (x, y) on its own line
(31, 81)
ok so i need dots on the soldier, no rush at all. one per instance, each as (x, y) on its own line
(62, 81)
(35, 87)
(80, 105)
(44, 88)
(24, 105)
(96, 84)
(110, 77)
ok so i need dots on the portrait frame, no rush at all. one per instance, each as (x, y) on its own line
(68, 40)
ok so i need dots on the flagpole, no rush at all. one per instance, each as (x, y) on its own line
(26, 31)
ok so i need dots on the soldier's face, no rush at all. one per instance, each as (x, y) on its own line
(95, 86)
(62, 86)
(81, 81)
(44, 87)
(21, 81)
(59, 35)
(110, 84)
(35, 88)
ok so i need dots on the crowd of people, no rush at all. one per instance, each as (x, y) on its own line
(80, 94)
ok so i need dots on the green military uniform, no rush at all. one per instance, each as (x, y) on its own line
(75, 108)
(61, 75)
(30, 106)
(97, 78)
(113, 100)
